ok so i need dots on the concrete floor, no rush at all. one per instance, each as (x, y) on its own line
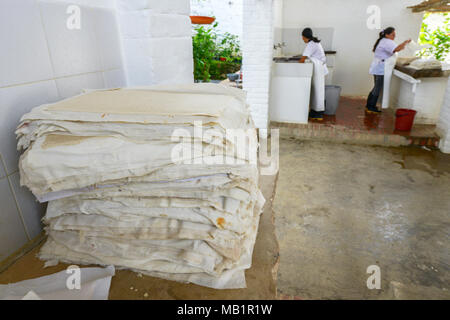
(341, 208)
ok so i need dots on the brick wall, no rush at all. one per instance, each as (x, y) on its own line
(444, 122)
(156, 39)
(258, 52)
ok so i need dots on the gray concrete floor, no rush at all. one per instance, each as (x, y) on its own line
(341, 208)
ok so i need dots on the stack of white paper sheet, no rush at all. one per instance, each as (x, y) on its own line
(160, 180)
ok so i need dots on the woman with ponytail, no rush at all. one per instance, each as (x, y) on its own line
(313, 47)
(384, 48)
(314, 51)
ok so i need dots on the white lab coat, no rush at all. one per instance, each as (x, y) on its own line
(317, 102)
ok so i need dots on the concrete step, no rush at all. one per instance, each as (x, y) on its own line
(421, 135)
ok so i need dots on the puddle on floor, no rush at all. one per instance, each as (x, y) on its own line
(433, 162)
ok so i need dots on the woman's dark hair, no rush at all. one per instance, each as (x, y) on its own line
(308, 34)
(382, 36)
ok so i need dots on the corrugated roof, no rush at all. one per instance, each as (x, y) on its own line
(432, 6)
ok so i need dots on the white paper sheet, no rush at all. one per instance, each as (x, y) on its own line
(94, 285)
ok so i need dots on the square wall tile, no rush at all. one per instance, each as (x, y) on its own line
(24, 56)
(73, 51)
(115, 79)
(32, 211)
(127, 5)
(72, 86)
(92, 3)
(147, 24)
(140, 76)
(138, 52)
(14, 103)
(12, 232)
(108, 42)
(172, 6)
(158, 6)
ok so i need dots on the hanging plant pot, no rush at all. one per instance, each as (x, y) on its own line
(202, 20)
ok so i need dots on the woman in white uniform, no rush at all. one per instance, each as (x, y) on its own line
(314, 51)
(384, 48)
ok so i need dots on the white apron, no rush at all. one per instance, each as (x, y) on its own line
(389, 66)
(386, 68)
(317, 102)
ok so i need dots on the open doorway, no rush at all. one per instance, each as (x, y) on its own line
(435, 32)
(217, 41)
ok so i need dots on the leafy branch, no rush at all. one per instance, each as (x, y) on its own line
(438, 39)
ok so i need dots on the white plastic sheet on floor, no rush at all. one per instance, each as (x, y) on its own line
(117, 195)
(94, 285)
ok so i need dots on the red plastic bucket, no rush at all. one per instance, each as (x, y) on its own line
(404, 119)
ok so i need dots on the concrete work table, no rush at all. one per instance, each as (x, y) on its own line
(425, 93)
(426, 73)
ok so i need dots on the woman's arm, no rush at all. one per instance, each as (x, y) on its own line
(402, 46)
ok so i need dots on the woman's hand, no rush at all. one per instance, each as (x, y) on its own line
(402, 45)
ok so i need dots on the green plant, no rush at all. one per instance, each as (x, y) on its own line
(215, 55)
(204, 43)
(229, 48)
(438, 38)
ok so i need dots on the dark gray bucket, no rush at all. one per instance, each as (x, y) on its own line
(332, 96)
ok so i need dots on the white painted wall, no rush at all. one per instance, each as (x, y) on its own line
(157, 41)
(353, 41)
(228, 13)
(444, 122)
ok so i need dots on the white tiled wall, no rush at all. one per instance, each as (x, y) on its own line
(27, 60)
(70, 86)
(41, 61)
(156, 37)
(12, 232)
(258, 54)
(444, 122)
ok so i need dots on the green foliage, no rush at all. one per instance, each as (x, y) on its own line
(220, 69)
(229, 48)
(204, 44)
(215, 55)
(438, 39)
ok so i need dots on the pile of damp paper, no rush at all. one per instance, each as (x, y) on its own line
(160, 180)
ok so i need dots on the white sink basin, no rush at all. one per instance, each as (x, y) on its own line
(290, 92)
(289, 69)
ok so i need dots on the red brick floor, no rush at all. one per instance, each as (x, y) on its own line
(351, 114)
(352, 122)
